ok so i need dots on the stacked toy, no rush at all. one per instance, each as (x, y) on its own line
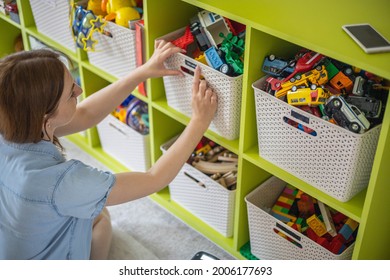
(215, 41)
(337, 92)
(215, 161)
(327, 227)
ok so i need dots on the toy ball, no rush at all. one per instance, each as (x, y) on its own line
(125, 14)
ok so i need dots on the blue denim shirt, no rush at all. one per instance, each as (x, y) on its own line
(47, 204)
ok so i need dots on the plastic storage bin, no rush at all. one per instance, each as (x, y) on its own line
(178, 91)
(117, 54)
(204, 197)
(52, 19)
(266, 243)
(336, 161)
(125, 144)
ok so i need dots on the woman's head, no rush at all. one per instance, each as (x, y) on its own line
(31, 86)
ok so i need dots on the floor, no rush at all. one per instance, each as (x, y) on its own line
(142, 230)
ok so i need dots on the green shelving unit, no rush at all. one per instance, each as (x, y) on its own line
(270, 27)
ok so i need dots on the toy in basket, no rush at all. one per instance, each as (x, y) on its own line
(319, 135)
(205, 185)
(285, 223)
(219, 55)
(111, 46)
(125, 134)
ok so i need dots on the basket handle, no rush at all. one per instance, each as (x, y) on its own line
(190, 69)
(51, 3)
(299, 121)
(198, 182)
(113, 125)
(287, 234)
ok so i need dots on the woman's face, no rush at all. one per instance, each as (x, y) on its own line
(67, 104)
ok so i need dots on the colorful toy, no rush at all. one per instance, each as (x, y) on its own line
(213, 58)
(184, 41)
(96, 7)
(341, 82)
(233, 49)
(122, 11)
(277, 67)
(316, 225)
(307, 96)
(213, 24)
(317, 77)
(137, 116)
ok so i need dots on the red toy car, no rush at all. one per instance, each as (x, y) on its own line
(307, 60)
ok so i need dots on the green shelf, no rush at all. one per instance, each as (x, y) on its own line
(270, 27)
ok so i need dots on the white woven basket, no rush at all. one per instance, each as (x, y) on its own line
(178, 91)
(52, 19)
(125, 144)
(266, 243)
(336, 161)
(117, 54)
(204, 197)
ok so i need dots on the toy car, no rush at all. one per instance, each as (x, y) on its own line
(312, 78)
(307, 96)
(341, 82)
(346, 115)
(305, 62)
(370, 106)
(358, 86)
(277, 66)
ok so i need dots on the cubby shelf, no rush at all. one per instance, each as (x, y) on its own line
(270, 27)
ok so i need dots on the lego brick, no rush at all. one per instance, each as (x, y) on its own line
(316, 225)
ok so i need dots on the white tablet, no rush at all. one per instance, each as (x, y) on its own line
(370, 40)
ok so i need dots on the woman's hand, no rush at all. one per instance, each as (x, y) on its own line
(155, 67)
(204, 100)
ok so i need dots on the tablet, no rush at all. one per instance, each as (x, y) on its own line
(370, 40)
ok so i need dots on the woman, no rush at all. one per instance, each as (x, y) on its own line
(55, 209)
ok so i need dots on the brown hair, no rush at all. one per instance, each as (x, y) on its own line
(31, 85)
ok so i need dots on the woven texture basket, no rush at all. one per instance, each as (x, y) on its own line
(178, 91)
(125, 144)
(266, 243)
(204, 197)
(336, 161)
(52, 19)
(117, 54)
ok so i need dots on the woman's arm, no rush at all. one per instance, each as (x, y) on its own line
(97, 106)
(133, 185)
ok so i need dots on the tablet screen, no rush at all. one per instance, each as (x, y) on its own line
(367, 36)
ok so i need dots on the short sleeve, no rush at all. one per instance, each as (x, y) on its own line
(82, 191)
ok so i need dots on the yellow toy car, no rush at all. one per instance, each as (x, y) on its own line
(317, 76)
(307, 96)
